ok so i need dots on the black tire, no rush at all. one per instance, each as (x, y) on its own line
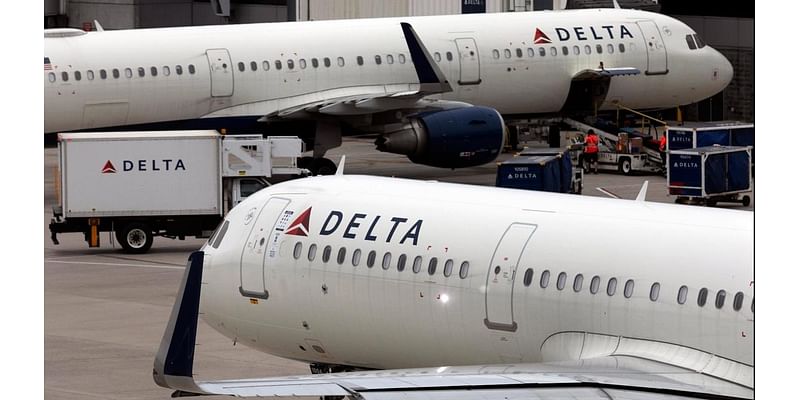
(746, 200)
(322, 166)
(625, 166)
(135, 238)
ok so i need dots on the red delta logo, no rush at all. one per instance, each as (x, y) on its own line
(109, 168)
(540, 38)
(299, 227)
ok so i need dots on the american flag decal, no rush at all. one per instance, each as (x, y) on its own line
(47, 66)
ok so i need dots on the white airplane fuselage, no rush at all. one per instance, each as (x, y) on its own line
(118, 78)
(265, 287)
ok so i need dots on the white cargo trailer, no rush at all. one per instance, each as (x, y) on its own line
(173, 184)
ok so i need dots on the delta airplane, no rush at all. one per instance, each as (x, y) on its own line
(413, 289)
(430, 87)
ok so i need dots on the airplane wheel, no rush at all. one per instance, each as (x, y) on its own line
(322, 166)
(135, 238)
(305, 162)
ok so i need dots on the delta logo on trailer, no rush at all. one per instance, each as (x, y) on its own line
(109, 168)
(146, 165)
(605, 32)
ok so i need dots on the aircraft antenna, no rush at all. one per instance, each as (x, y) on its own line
(340, 168)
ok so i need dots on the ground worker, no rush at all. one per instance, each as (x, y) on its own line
(662, 148)
(590, 151)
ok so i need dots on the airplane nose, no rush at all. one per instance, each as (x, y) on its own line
(724, 70)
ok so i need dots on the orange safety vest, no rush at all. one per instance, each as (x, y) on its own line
(662, 144)
(591, 144)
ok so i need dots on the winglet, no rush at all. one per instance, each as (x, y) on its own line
(430, 76)
(642, 192)
(98, 27)
(172, 367)
(340, 168)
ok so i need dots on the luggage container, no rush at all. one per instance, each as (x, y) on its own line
(548, 170)
(711, 174)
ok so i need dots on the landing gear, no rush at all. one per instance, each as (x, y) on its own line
(317, 166)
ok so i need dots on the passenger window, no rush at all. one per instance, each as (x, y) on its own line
(128, 73)
(562, 281)
(462, 273)
(387, 260)
(290, 64)
(401, 58)
(89, 75)
(594, 287)
(495, 54)
(315, 63)
(544, 280)
(153, 71)
(720, 299)
(654, 291)
(587, 49)
(599, 49)
(432, 265)
(265, 65)
(753, 306)
(191, 69)
(340, 61)
(51, 77)
(356, 257)
(528, 277)
(628, 289)
(700, 42)
(165, 69)
(621, 48)
(241, 66)
(690, 42)
(378, 59)
(278, 64)
(531, 53)
(519, 53)
(326, 254)
(565, 50)
(401, 262)
(576, 50)
(577, 285)
(417, 264)
(103, 74)
(77, 75)
(449, 56)
(141, 72)
(360, 60)
(448, 268)
(371, 258)
(737, 301)
(610, 48)
(542, 51)
(507, 53)
(221, 235)
(179, 70)
(702, 296)
(312, 252)
(612, 286)
(253, 66)
(298, 250)
(437, 57)
(341, 256)
(302, 63)
(389, 59)
(682, 294)
(115, 73)
(327, 62)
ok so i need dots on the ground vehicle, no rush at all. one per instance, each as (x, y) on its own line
(174, 184)
(710, 174)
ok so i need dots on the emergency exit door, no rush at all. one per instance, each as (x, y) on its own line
(501, 276)
(258, 246)
(219, 61)
(469, 62)
(656, 51)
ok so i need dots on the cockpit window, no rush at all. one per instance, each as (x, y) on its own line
(690, 42)
(700, 42)
(219, 235)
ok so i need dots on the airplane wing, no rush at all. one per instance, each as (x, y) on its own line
(620, 375)
(362, 99)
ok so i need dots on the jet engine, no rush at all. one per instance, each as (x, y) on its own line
(455, 138)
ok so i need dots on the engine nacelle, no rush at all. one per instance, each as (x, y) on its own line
(456, 138)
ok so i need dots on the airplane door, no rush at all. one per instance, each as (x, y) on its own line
(656, 51)
(219, 61)
(258, 246)
(469, 62)
(500, 278)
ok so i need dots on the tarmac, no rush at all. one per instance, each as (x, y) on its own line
(105, 311)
